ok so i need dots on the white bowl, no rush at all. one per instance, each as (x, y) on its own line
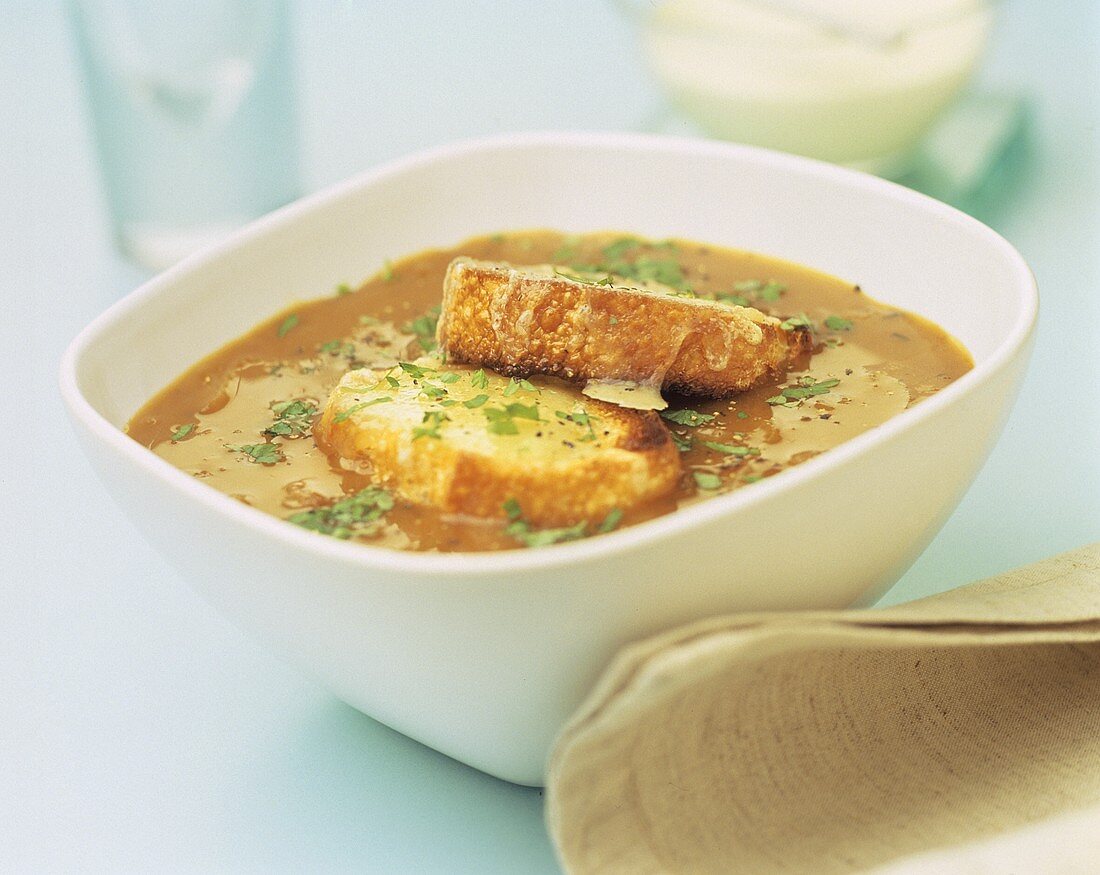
(483, 656)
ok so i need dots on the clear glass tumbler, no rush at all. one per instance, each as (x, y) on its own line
(193, 109)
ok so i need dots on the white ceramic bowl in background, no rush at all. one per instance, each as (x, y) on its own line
(483, 656)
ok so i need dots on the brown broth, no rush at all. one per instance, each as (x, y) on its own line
(888, 360)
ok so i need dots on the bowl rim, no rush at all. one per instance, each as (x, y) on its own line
(468, 564)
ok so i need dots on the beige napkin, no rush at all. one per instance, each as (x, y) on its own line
(843, 741)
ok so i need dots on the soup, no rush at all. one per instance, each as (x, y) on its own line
(242, 419)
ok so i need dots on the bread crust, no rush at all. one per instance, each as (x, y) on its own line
(522, 322)
(558, 474)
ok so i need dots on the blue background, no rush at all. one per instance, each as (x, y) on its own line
(139, 730)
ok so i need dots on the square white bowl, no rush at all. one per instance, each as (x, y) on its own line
(484, 656)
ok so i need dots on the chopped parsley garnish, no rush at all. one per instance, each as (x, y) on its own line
(692, 418)
(522, 531)
(581, 418)
(733, 300)
(499, 421)
(344, 415)
(431, 391)
(666, 271)
(523, 411)
(339, 348)
(806, 387)
(611, 521)
(264, 454)
(572, 277)
(433, 420)
(344, 289)
(706, 480)
(799, 321)
(502, 420)
(683, 443)
(732, 449)
(476, 401)
(741, 414)
(414, 371)
(838, 323)
(387, 271)
(448, 377)
(424, 329)
(624, 258)
(355, 515)
(479, 379)
(292, 418)
(288, 325)
(183, 431)
(621, 247)
(393, 381)
(769, 291)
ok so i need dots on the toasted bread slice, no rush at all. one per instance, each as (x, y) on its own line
(468, 442)
(534, 320)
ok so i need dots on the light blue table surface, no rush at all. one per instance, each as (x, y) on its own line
(139, 731)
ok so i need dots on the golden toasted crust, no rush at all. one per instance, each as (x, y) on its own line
(560, 470)
(522, 321)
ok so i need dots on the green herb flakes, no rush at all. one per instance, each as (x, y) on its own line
(433, 420)
(731, 449)
(414, 371)
(683, 443)
(356, 515)
(344, 415)
(423, 327)
(607, 280)
(338, 348)
(799, 321)
(263, 454)
(292, 418)
(621, 247)
(431, 391)
(499, 421)
(387, 272)
(769, 291)
(288, 325)
(523, 411)
(611, 521)
(706, 480)
(838, 323)
(691, 418)
(806, 387)
(581, 418)
(476, 401)
(183, 431)
(479, 379)
(521, 530)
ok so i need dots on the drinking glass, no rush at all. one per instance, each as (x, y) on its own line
(193, 110)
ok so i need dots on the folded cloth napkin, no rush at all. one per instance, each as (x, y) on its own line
(844, 741)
